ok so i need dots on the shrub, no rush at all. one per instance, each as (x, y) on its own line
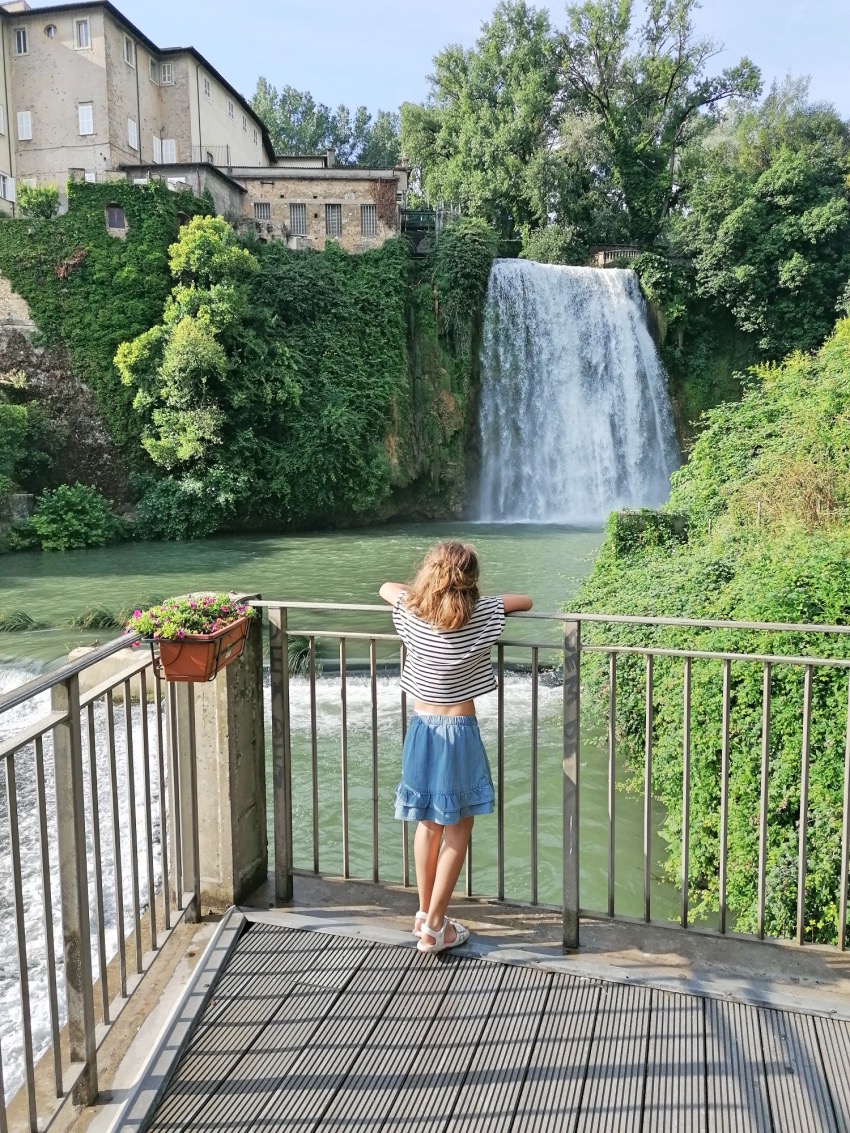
(40, 202)
(72, 517)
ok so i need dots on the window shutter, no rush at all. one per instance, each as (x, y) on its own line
(24, 125)
(169, 151)
(86, 115)
(157, 149)
(132, 134)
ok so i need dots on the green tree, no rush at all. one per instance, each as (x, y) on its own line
(489, 117)
(768, 222)
(300, 125)
(38, 201)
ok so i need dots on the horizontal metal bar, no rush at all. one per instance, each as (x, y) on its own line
(562, 616)
(26, 735)
(144, 661)
(45, 681)
(703, 655)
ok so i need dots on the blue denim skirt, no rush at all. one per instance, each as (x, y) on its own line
(445, 774)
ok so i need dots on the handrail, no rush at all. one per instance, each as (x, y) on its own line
(44, 682)
(578, 616)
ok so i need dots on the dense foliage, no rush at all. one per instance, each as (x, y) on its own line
(70, 518)
(300, 125)
(90, 290)
(766, 499)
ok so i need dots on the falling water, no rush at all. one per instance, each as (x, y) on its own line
(575, 418)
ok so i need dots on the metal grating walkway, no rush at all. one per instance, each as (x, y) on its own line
(312, 1031)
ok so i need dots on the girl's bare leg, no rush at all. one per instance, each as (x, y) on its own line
(449, 865)
(426, 849)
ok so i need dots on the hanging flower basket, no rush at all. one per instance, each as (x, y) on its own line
(195, 637)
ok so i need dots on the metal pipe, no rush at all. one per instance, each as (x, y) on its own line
(146, 782)
(163, 822)
(98, 866)
(535, 697)
(21, 941)
(281, 754)
(193, 915)
(686, 792)
(343, 708)
(314, 754)
(804, 806)
(571, 764)
(612, 773)
(134, 842)
(763, 795)
(724, 792)
(174, 771)
(47, 903)
(373, 692)
(500, 775)
(647, 794)
(117, 863)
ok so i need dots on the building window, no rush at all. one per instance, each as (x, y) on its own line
(154, 71)
(91, 176)
(262, 210)
(157, 148)
(82, 34)
(24, 125)
(207, 88)
(333, 220)
(50, 31)
(129, 51)
(298, 220)
(169, 151)
(256, 136)
(85, 113)
(115, 218)
(244, 124)
(231, 111)
(132, 134)
(368, 220)
(7, 188)
(21, 43)
(166, 74)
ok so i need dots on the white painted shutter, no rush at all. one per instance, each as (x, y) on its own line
(169, 151)
(24, 125)
(132, 134)
(157, 149)
(86, 114)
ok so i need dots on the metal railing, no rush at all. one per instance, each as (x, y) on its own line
(95, 818)
(299, 776)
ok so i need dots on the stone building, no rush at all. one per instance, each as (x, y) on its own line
(85, 94)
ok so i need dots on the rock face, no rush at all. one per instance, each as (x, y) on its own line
(14, 312)
(82, 449)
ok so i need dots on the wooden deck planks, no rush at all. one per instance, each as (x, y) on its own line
(675, 1083)
(737, 1085)
(613, 1092)
(796, 1083)
(316, 1032)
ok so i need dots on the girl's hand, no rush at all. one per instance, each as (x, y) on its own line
(391, 590)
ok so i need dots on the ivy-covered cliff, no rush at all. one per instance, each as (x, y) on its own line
(244, 385)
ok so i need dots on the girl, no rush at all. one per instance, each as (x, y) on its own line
(448, 629)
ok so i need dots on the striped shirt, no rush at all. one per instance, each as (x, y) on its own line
(448, 666)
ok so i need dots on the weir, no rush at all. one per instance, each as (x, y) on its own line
(575, 418)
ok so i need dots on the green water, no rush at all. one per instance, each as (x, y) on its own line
(547, 562)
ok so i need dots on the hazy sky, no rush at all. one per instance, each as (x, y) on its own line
(378, 52)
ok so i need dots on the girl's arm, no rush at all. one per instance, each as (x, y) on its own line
(391, 590)
(515, 603)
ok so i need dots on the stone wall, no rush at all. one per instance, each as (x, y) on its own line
(14, 311)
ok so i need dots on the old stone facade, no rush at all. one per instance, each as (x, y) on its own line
(89, 95)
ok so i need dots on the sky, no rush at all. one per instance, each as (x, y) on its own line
(378, 53)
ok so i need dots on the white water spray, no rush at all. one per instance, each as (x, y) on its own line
(575, 419)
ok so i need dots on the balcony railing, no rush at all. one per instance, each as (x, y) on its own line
(365, 767)
(95, 845)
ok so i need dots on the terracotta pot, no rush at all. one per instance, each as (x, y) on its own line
(199, 657)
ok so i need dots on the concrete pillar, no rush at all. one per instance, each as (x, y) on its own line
(230, 747)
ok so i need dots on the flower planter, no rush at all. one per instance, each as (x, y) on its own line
(200, 657)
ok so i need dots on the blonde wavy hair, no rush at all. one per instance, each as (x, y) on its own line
(445, 590)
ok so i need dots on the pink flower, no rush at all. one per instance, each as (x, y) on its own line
(137, 613)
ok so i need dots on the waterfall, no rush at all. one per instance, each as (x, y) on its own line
(575, 418)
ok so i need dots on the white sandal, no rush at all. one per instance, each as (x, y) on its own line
(420, 916)
(439, 936)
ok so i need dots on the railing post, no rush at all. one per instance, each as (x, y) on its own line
(74, 888)
(572, 724)
(281, 762)
(184, 800)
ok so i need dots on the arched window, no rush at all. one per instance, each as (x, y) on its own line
(115, 219)
(182, 219)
